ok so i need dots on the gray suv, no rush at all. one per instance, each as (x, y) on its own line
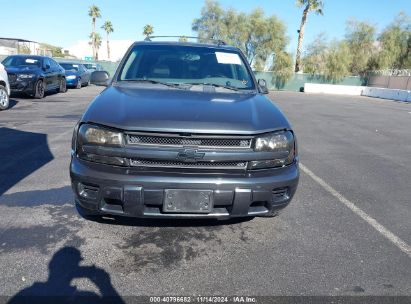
(183, 130)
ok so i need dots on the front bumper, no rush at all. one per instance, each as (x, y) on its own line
(23, 86)
(127, 192)
(72, 82)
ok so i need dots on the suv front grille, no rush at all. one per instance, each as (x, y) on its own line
(200, 141)
(188, 165)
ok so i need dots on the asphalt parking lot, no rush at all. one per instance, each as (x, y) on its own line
(347, 231)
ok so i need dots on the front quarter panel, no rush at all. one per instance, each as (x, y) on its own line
(4, 77)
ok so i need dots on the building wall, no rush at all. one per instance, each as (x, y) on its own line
(11, 46)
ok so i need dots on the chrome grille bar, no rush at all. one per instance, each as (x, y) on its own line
(180, 141)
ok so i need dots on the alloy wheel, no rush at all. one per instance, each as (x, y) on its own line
(4, 99)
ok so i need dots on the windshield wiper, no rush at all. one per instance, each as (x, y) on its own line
(172, 85)
(213, 85)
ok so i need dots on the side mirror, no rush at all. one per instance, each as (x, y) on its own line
(263, 86)
(100, 78)
(47, 67)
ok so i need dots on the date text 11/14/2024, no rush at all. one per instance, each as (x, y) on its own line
(203, 299)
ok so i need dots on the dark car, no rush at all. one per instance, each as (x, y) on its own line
(34, 75)
(76, 74)
(92, 67)
(184, 130)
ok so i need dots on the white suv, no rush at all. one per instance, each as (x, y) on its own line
(4, 89)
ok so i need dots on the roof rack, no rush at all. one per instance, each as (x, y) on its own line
(217, 41)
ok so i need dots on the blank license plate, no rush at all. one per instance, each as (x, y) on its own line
(187, 201)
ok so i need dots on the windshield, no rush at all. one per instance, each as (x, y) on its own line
(21, 61)
(186, 65)
(70, 66)
(88, 66)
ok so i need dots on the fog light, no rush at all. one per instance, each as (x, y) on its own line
(109, 160)
(87, 192)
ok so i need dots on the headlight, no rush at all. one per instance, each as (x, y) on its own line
(100, 136)
(71, 77)
(94, 135)
(26, 76)
(281, 143)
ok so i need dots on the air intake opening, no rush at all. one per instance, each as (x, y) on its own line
(258, 204)
(87, 191)
(112, 201)
(280, 195)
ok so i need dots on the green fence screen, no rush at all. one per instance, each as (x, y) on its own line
(294, 84)
(297, 81)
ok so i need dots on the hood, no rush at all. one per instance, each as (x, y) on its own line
(23, 69)
(71, 72)
(172, 110)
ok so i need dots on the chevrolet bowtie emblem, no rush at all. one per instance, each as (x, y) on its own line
(189, 155)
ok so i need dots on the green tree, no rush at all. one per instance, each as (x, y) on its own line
(338, 61)
(255, 34)
(282, 69)
(263, 36)
(258, 66)
(23, 49)
(209, 25)
(108, 28)
(315, 6)
(94, 13)
(314, 60)
(395, 45)
(148, 30)
(95, 39)
(56, 51)
(360, 37)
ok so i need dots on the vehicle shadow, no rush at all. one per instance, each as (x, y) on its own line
(26, 96)
(34, 198)
(22, 153)
(65, 267)
(12, 103)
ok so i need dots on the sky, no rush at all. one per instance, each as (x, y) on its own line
(64, 23)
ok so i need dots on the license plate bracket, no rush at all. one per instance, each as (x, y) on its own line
(187, 201)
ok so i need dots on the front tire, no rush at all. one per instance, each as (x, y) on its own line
(4, 98)
(63, 86)
(39, 89)
(78, 86)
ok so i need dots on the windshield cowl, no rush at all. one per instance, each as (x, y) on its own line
(195, 87)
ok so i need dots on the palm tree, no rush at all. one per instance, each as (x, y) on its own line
(309, 6)
(148, 30)
(108, 28)
(94, 13)
(97, 43)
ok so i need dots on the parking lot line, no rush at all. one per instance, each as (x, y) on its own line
(403, 246)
